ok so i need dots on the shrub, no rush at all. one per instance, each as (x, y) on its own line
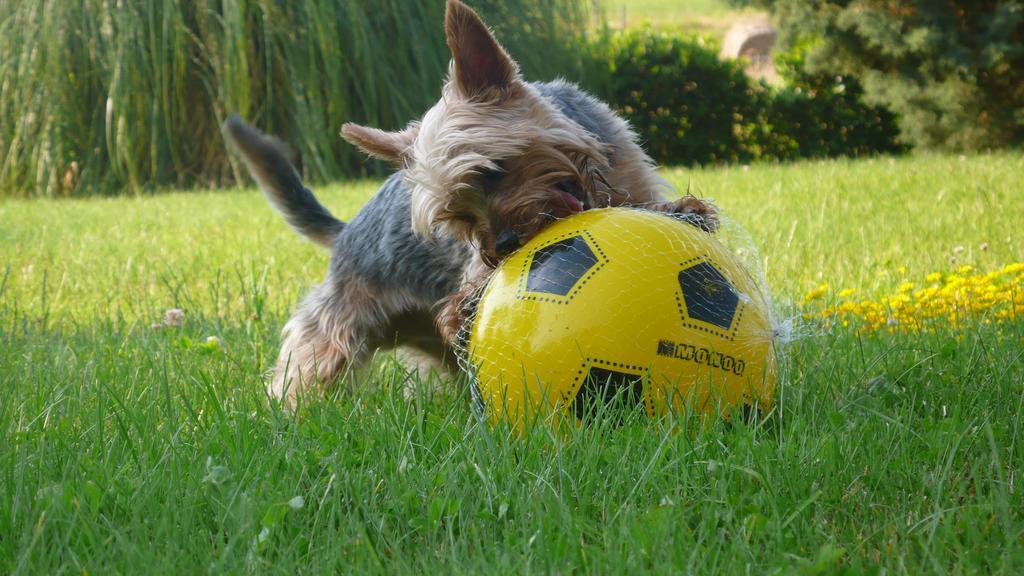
(815, 114)
(953, 71)
(690, 107)
(107, 97)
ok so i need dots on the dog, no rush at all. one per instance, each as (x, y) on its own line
(493, 162)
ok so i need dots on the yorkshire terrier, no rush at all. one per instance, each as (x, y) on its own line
(486, 168)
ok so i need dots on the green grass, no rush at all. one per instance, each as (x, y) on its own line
(128, 449)
(712, 17)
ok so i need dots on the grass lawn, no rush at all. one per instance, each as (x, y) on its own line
(128, 449)
(699, 16)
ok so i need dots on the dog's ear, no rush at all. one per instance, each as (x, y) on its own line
(481, 64)
(390, 146)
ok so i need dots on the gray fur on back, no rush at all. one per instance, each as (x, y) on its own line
(380, 246)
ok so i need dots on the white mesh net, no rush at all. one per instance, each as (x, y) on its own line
(628, 304)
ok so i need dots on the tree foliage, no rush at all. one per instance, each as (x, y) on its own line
(953, 70)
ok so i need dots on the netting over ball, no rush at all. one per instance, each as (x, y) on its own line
(628, 304)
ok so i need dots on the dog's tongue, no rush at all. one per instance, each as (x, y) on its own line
(572, 202)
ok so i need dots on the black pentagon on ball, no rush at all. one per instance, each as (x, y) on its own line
(557, 267)
(602, 386)
(709, 296)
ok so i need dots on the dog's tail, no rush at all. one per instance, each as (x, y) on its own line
(269, 165)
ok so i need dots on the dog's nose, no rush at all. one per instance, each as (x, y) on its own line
(507, 243)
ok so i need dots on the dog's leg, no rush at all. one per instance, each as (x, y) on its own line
(423, 369)
(634, 181)
(701, 214)
(452, 312)
(307, 357)
(331, 332)
(455, 309)
(420, 350)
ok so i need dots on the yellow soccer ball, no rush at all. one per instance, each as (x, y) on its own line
(621, 303)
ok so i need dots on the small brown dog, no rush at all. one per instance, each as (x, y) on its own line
(485, 169)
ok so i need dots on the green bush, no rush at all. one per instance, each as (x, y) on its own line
(816, 114)
(97, 97)
(690, 107)
(953, 71)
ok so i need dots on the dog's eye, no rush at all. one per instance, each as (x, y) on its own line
(490, 178)
(570, 185)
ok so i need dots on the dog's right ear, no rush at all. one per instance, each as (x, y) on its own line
(481, 65)
(390, 146)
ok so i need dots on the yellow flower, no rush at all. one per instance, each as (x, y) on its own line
(990, 298)
(816, 293)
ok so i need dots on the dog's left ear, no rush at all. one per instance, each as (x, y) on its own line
(481, 64)
(390, 146)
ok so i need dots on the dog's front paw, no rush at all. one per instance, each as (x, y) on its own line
(701, 214)
(454, 311)
(449, 319)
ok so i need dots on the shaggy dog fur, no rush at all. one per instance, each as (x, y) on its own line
(487, 167)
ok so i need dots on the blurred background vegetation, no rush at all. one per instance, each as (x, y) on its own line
(122, 96)
(119, 95)
(953, 71)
